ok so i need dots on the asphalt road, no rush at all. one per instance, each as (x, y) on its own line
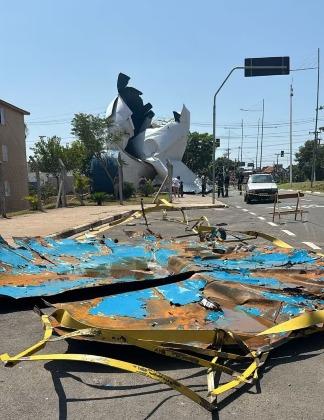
(291, 385)
(308, 234)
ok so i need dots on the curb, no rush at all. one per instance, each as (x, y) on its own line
(315, 193)
(66, 233)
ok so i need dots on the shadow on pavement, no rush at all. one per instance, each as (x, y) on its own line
(298, 350)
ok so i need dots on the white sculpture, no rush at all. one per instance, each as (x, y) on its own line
(144, 145)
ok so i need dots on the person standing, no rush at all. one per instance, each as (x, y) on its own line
(176, 186)
(220, 185)
(240, 182)
(203, 185)
(181, 188)
(226, 183)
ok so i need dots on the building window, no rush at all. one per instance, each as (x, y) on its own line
(4, 153)
(2, 116)
(7, 188)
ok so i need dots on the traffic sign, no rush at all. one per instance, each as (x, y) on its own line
(266, 66)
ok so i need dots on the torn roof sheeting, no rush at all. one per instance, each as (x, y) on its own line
(239, 291)
(251, 298)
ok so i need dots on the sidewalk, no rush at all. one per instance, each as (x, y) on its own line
(318, 193)
(65, 222)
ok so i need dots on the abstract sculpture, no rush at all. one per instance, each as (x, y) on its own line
(145, 150)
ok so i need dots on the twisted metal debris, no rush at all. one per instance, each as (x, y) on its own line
(183, 299)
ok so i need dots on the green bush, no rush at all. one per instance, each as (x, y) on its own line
(99, 197)
(33, 201)
(128, 190)
(81, 186)
(48, 190)
(146, 188)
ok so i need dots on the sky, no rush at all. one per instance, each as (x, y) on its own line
(62, 57)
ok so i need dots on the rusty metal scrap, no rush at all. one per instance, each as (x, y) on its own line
(177, 297)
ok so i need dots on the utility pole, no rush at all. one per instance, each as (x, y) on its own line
(242, 141)
(2, 193)
(257, 146)
(313, 177)
(277, 154)
(238, 155)
(290, 134)
(262, 124)
(228, 143)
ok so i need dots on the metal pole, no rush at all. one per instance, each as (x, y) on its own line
(2, 193)
(262, 124)
(120, 179)
(214, 115)
(39, 192)
(170, 175)
(290, 134)
(242, 141)
(214, 149)
(257, 146)
(313, 177)
(214, 128)
(228, 143)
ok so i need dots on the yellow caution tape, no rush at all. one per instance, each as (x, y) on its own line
(307, 319)
(174, 350)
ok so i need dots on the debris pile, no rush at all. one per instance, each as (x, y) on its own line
(222, 303)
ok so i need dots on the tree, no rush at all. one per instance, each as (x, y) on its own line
(304, 158)
(198, 155)
(81, 186)
(94, 137)
(199, 152)
(47, 152)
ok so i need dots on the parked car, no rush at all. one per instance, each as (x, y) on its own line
(260, 187)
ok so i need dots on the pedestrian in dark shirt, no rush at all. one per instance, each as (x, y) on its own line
(203, 185)
(226, 183)
(240, 182)
(181, 189)
(220, 185)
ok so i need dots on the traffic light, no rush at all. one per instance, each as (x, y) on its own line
(217, 142)
(282, 153)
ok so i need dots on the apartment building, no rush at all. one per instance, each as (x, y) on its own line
(14, 176)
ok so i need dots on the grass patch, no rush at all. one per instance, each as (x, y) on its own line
(73, 202)
(304, 186)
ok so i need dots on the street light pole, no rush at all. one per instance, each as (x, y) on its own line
(242, 142)
(262, 124)
(214, 114)
(214, 128)
(290, 134)
(257, 146)
(313, 177)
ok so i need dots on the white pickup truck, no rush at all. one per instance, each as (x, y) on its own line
(260, 187)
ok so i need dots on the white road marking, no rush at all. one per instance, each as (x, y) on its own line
(272, 224)
(261, 218)
(253, 214)
(288, 232)
(311, 245)
(245, 210)
(238, 207)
